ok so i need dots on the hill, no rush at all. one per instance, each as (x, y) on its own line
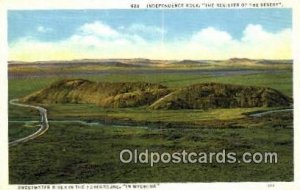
(104, 94)
(138, 62)
(156, 96)
(191, 62)
(216, 95)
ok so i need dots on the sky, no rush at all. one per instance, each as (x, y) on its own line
(35, 35)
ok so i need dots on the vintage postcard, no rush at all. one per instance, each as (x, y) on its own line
(149, 95)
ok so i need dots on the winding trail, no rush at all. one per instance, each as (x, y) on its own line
(161, 99)
(44, 123)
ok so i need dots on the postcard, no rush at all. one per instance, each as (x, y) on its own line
(149, 95)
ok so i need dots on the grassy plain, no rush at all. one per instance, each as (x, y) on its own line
(78, 153)
(74, 153)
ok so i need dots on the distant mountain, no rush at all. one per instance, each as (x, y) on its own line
(274, 62)
(246, 61)
(190, 62)
(140, 62)
(156, 96)
(82, 62)
(99, 62)
(240, 60)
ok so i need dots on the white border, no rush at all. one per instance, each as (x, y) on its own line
(3, 99)
(119, 4)
(125, 4)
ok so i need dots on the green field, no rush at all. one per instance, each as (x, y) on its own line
(78, 153)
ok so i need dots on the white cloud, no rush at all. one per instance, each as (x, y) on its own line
(212, 36)
(43, 29)
(141, 28)
(255, 43)
(266, 44)
(99, 29)
(98, 40)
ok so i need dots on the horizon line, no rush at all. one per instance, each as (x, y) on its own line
(103, 59)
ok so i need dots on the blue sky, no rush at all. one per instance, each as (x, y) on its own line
(50, 27)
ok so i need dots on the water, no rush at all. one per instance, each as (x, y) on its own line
(90, 124)
(260, 114)
(218, 72)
